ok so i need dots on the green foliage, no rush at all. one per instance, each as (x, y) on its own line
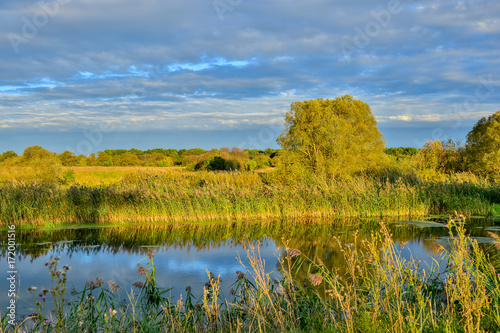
(223, 160)
(262, 160)
(165, 162)
(7, 155)
(183, 196)
(483, 147)
(290, 169)
(104, 159)
(126, 159)
(251, 165)
(333, 137)
(212, 163)
(401, 151)
(68, 158)
(235, 158)
(69, 176)
(438, 157)
(91, 160)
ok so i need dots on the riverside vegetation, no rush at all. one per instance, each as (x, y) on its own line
(378, 291)
(333, 163)
(181, 196)
(327, 168)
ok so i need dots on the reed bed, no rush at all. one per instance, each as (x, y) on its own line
(202, 196)
(380, 291)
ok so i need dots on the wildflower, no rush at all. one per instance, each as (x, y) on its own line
(32, 288)
(43, 297)
(188, 289)
(240, 275)
(407, 317)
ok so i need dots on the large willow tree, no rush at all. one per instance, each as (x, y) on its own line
(333, 137)
(483, 147)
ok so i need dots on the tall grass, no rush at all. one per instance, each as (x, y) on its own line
(181, 196)
(380, 291)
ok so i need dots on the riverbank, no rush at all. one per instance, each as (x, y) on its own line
(203, 196)
(378, 290)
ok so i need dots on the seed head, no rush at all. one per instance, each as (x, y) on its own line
(138, 285)
(141, 270)
(294, 253)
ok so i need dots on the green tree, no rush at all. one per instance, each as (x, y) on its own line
(333, 137)
(68, 158)
(127, 159)
(483, 147)
(37, 152)
(104, 159)
(438, 157)
(7, 155)
(91, 160)
(44, 165)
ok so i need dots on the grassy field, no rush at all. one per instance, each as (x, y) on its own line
(379, 291)
(122, 194)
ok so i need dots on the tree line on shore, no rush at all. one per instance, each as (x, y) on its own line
(224, 158)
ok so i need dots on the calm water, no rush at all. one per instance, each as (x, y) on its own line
(184, 253)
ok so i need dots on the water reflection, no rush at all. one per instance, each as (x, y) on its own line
(186, 252)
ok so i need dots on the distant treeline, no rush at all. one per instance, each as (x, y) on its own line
(196, 158)
(436, 160)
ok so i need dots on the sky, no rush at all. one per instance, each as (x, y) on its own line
(89, 75)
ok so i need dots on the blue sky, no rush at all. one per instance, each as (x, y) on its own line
(88, 75)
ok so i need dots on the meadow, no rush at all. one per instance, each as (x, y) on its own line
(131, 194)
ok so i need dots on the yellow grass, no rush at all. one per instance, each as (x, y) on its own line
(87, 175)
(97, 175)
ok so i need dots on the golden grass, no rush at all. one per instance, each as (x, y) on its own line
(86, 175)
(97, 175)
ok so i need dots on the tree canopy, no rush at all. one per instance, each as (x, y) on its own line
(483, 146)
(333, 137)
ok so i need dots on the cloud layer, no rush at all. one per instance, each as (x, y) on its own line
(190, 65)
